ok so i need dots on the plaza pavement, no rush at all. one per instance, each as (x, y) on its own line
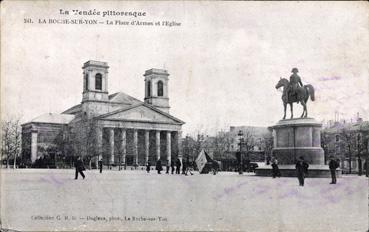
(47, 200)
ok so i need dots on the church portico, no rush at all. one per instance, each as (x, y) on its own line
(136, 146)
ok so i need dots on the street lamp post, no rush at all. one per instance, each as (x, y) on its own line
(349, 149)
(241, 139)
(358, 154)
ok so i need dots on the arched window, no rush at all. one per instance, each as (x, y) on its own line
(337, 138)
(149, 88)
(160, 89)
(98, 81)
(86, 82)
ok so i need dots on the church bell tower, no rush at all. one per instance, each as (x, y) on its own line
(156, 88)
(95, 88)
(95, 81)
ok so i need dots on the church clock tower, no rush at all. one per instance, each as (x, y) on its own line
(156, 88)
(95, 88)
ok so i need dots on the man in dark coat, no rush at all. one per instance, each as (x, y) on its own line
(100, 165)
(148, 166)
(301, 169)
(79, 168)
(178, 166)
(159, 168)
(184, 168)
(333, 165)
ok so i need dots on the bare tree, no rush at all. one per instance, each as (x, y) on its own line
(83, 140)
(249, 141)
(222, 144)
(10, 140)
(348, 140)
(267, 143)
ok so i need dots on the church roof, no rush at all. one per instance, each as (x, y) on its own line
(54, 118)
(123, 98)
(73, 110)
(118, 97)
(178, 121)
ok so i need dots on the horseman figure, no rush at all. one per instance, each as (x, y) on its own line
(295, 83)
(295, 91)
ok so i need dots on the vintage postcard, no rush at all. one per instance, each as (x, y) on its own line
(184, 116)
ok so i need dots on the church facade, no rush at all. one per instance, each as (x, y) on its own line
(115, 128)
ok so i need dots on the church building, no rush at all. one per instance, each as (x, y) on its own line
(115, 128)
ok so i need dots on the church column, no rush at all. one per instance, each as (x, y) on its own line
(111, 145)
(157, 145)
(99, 135)
(179, 145)
(135, 149)
(123, 140)
(147, 145)
(169, 150)
(33, 145)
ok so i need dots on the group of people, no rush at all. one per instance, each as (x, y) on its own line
(302, 169)
(175, 167)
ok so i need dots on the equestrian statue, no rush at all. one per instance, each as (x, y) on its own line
(295, 91)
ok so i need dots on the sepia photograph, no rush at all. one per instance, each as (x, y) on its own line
(184, 116)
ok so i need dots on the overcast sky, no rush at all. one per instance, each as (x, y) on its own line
(224, 60)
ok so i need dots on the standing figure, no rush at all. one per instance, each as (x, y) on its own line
(159, 168)
(275, 168)
(178, 166)
(366, 168)
(184, 168)
(148, 167)
(301, 168)
(172, 165)
(100, 165)
(79, 168)
(333, 165)
(167, 170)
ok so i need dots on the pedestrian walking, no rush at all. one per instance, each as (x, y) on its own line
(178, 166)
(333, 165)
(79, 168)
(100, 165)
(302, 170)
(275, 168)
(159, 168)
(148, 167)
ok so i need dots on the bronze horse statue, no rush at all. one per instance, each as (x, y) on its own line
(301, 95)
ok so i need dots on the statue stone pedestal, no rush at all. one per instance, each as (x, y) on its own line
(294, 138)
